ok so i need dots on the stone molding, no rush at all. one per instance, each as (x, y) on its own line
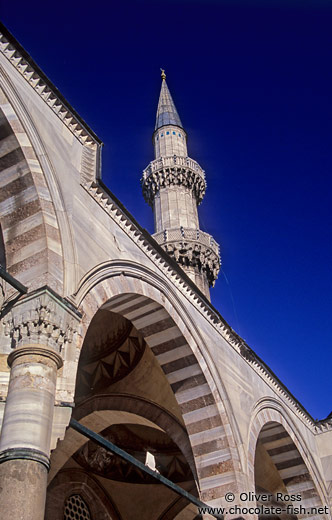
(196, 255)
(173, 171)
(25, 454)
(191, 234)
(25, 130)
(41, 319)
(35, 350)
(48, 93)
(192, 248)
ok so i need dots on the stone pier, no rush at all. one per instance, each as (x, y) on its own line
(38, 329)
(26, 431)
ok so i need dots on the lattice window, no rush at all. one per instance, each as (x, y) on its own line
(76, 509)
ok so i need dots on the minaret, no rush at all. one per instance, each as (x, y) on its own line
(174, 185)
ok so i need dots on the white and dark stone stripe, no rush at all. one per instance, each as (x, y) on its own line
(29, 225)
(290, 465)
(210, 444)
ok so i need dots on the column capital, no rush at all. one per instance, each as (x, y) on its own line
(44, 320)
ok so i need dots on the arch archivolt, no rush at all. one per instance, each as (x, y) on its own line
(149, 303)
(39, 223)
(101, 411)
(283, 441)
(77, 481)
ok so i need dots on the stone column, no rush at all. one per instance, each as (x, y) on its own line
(39, 330)
(26, 431)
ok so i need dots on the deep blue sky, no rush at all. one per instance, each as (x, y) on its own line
(252, 82)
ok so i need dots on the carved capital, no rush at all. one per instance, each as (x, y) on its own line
(41, 319)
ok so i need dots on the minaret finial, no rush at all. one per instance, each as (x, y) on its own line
(166, 112)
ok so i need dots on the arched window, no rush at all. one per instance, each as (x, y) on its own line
(76, 509)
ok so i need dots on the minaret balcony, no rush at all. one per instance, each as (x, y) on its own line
(192, 248)
(173, 171)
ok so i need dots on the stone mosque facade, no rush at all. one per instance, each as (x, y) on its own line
(103, 323)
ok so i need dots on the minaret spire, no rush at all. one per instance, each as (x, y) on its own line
(174, 185)
(166, 111)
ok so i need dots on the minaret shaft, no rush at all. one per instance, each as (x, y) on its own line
(175, 208)
(174, 185)
(170, 140)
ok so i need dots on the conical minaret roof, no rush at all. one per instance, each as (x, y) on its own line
(166, 112)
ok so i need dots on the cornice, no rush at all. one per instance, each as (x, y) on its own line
(37, 80)
(188, 289)
(325, 425)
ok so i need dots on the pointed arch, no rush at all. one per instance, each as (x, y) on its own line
(140, 296)
(77, 481)
(124, 407)
(284, 445)
(29, 222)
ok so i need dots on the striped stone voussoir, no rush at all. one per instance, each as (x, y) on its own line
(205, 427)
(289, 462)
(28, 220)
(282, 445)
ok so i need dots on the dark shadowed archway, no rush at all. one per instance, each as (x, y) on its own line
(279, 464)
